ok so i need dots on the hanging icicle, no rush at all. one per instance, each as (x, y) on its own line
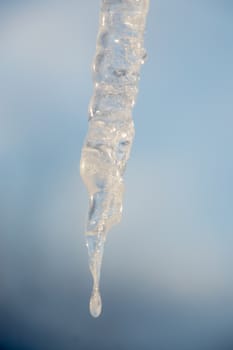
(116, 67)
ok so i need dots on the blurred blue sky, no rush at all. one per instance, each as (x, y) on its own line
(167, 271)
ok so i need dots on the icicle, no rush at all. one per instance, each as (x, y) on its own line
(116, 67)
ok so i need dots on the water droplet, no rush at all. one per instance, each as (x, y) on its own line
(95, 304)
(95, 246)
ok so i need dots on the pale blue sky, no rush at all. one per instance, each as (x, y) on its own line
(172, 253)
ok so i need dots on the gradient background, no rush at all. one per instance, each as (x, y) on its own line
(167, 279)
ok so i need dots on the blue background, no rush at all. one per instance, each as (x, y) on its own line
(167, 271)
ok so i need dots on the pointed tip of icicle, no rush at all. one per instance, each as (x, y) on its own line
(95, 306)
(95, 246)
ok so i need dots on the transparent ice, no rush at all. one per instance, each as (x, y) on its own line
(116, 67)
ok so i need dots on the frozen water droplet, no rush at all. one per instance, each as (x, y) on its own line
(95, 246)
(95, 304)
